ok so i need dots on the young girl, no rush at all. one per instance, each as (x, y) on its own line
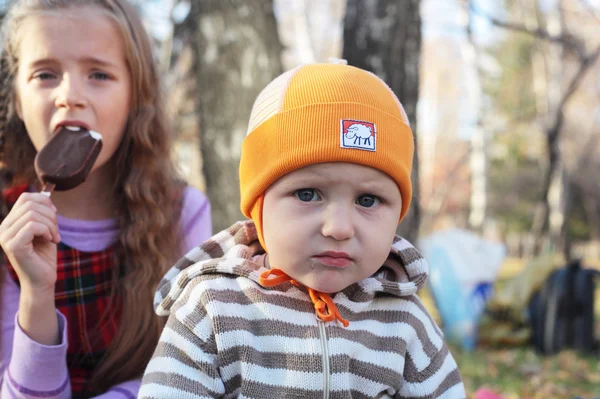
(78, 270)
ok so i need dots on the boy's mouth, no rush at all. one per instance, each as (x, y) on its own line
(334, 259)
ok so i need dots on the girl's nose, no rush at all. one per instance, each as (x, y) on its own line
(70, 94)
(338, 222)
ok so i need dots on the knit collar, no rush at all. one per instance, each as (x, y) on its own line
(232, 251)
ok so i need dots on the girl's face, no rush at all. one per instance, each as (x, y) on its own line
(73, 71)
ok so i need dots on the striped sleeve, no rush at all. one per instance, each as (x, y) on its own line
(183, 365)
(435, 374)
(439, 380)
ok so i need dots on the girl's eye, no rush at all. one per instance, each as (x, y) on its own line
(44, 76)
(100, 76)
(368, 201)
(307, 194)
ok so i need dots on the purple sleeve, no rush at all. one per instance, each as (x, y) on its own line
(9, 298)
(47, 363)
(196, 221)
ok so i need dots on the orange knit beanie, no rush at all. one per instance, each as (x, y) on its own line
(321, 113)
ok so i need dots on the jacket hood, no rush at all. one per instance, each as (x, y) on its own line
(231, 251)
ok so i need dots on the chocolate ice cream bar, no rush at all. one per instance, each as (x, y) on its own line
(67, 158)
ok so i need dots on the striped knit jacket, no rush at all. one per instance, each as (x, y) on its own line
(229, 337)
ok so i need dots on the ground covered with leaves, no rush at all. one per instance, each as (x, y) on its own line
(520, 373)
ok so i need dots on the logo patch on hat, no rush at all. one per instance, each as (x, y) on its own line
(358, 134)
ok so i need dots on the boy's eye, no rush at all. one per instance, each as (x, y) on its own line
(368, 201)
(100, 76)
(307, 194)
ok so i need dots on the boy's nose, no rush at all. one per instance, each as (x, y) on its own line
(338, 222)
(70, 94)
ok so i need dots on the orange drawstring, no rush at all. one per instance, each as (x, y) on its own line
(280, 277)
(324, 306)
(326, 309)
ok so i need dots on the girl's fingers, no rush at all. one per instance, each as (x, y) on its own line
(35, 197)
(31, 202)
(32, 255)
(29, 213)
(26, 222)
(21, 242)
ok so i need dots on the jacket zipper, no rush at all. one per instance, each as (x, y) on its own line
(325, 352)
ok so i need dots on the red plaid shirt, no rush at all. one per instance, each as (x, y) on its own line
(83, 289)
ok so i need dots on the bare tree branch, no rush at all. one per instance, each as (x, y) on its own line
(552, 136)
(568, 41)
(586, 63)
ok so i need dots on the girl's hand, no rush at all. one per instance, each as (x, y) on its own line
(28, 236)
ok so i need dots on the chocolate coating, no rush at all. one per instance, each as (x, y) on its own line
(67, 158)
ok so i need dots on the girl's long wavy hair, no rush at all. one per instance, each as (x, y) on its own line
(146, 186)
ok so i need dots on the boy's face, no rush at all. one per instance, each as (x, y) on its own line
(330, 225)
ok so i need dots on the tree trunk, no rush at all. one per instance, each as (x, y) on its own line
(384, 37)
(549, 207)
(237, 55)
(478, 155)
(565, 239)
